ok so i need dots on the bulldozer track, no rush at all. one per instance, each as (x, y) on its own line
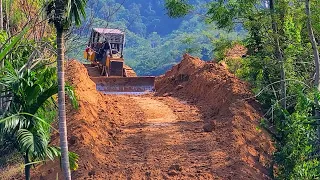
(129, 71)
(94, 71)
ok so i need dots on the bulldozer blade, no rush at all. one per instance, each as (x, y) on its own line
(124, 85)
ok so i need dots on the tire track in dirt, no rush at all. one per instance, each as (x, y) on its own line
(164, 145)
(162, 136)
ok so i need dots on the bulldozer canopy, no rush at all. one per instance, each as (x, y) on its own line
(112, 36)
(108, 31)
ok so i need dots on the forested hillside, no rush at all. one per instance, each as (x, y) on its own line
(154, 42)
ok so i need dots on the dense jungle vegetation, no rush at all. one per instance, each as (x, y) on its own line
(282, 65)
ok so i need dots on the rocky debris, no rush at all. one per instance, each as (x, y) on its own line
(209, 126)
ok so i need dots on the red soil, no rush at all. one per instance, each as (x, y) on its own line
(91, 128)
(237, 51)
(225, 102)
(199, 125)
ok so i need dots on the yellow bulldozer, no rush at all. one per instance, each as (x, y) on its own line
(108, 69)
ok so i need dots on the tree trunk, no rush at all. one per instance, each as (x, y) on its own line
(2, 63)
(279, 56)
(61, 103)
(27, 167)
(7, 18)
(1, 16)
(316, 60)
(2, 101)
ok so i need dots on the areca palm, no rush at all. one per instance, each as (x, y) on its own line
(62, 13)
(31, 93)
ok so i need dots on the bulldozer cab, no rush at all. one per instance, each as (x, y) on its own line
(105, 49)
(109, 41)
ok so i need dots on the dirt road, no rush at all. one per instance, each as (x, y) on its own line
(170, 143)
(165, 144)
(199, 125)
(163, 138)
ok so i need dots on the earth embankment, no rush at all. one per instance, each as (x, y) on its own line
(201, 124)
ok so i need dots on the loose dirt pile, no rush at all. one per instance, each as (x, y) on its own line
(226, 106)
(237, 51)
(93, 127)
(197, 126)
(233, 55)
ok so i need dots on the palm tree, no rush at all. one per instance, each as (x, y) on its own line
(1, 16)
(62, 13)
(24, 124)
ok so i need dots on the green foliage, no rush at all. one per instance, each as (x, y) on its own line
(64, 13)
(295, 157)
(5, 50)
(221, 46)
(3, 37)
(73, 160)
(26, 122)
(76, 10)
(177, 8)
(72, 96)
(32, 92)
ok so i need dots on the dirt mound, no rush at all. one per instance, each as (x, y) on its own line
(208, 81)
(91, 128)
(206, 130)
(233, 55)
(225, 103)
(237, 51)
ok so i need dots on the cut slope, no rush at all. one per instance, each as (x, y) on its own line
(91, 128)
(225, 104)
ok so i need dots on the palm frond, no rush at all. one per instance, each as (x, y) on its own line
(53, 152)
(43, 97)
(12, 123)
(32, 92)
(73, 160)
(14, 41)
(38, 119)
(77, 11)
(32, 142)
(10, 77)
(70, 92)
(25, 140)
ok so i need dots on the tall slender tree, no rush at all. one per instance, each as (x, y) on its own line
(2, 63)
(316, 59)
(62, 13)
(279, 56)
(1, 16)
